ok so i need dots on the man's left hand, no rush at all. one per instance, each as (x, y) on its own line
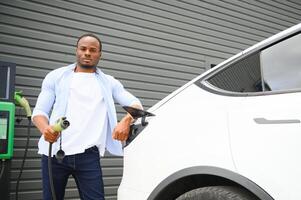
(122, 130)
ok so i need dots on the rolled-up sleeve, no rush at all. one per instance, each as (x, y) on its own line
(46, 97)
(122, 96)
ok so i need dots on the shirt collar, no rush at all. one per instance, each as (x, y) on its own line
(73, 66)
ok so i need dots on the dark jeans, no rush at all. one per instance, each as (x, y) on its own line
(84, 167)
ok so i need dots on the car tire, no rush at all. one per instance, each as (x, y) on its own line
(218, 193)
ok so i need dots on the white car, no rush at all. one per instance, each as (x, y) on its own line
(234, 132)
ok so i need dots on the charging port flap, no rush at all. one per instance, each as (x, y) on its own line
(135, 129)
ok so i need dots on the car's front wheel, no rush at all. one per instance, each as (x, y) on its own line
(218, 193)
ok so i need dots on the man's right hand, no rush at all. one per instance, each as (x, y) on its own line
(49, 134)
(42, 124)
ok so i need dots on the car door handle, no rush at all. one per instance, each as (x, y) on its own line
(278, 121)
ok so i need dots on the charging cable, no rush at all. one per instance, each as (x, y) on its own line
(60, 125)
(2, 168)
(21, 101)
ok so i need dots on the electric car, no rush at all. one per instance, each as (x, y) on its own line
(234, 132)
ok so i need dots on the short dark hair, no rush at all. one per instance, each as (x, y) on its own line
(90, 35)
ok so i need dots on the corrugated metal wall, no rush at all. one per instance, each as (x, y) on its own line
(153, 47)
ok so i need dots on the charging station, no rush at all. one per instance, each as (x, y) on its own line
(7, 123)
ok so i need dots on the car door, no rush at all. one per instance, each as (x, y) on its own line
(265, 128)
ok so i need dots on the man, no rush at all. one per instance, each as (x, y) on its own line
(85, 95)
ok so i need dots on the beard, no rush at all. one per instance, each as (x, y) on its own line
(88, 66)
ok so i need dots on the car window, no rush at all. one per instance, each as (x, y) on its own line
(281, 65)
(275, 68)
(242, 76)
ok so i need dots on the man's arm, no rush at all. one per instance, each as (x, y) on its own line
(40, 115)
(124, 98)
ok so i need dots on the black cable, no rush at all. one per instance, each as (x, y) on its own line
(2, 168)
(23, 162)
(24, 156)
(50, 172)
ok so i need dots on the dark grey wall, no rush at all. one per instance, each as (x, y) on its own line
(153, 47)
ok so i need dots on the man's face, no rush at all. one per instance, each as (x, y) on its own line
(87, 52)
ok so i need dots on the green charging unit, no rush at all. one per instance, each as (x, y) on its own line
(7, 122)
(7, 109)
(7, 127)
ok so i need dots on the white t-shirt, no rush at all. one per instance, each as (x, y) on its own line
(87, 114)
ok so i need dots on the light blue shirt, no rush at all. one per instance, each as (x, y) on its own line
(55, 92)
